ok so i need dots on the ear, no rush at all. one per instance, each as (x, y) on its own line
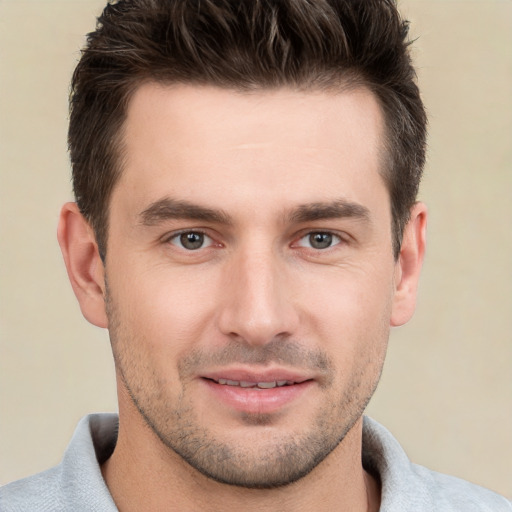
(408, 266)
(83, 263)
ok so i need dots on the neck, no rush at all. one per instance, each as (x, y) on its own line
(143, 474)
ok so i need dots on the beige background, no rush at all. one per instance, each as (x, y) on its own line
(446, 392)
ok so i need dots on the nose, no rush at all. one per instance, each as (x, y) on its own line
(257, 299)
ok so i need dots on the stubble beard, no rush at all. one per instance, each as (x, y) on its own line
(266, 459)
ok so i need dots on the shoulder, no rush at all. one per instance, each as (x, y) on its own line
(76, 483)
(451, 493)
(38, 492)
(407, 486)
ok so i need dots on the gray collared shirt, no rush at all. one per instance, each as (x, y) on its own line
(77, 485)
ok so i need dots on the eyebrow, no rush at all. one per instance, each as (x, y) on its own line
(340, 208)
(168, 209)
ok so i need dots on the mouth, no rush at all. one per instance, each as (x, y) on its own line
(255, 385)
(248, 392)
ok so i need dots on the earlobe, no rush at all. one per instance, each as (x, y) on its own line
(408, 266)
(83, 263)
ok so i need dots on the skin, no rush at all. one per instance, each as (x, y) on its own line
(253, 182)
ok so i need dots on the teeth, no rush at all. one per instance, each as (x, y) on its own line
(260, 385)
(267, 385)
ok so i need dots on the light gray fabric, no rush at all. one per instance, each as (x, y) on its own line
(76, 484)
(407, 487)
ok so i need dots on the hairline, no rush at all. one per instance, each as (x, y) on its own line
(353, 81)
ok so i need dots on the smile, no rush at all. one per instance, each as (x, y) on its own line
(249, 392)
(258, 385)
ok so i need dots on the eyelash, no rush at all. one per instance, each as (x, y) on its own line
(176, 236)
(335, 240)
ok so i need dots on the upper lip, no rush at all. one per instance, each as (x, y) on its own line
(253, 375)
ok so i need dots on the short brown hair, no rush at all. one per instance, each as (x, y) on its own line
(242, 44)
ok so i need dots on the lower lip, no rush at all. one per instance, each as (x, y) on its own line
(255, 400)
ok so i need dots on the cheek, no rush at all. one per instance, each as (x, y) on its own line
(166, 310)
(348, 298)
(349, 314)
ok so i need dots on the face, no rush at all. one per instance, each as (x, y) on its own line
(250, 274)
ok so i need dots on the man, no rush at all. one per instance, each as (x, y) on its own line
(246, 227)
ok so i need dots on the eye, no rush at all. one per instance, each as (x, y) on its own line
(319, 240)
(191, 240)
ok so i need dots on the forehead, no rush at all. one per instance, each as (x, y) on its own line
(194, 141)
(198, 110)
